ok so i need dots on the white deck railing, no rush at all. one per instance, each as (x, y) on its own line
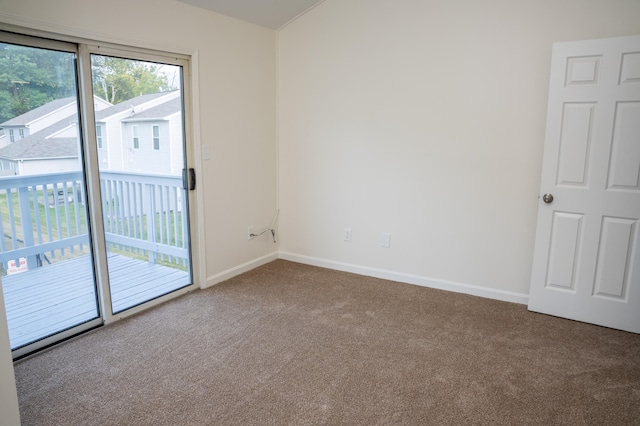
(145, 213)
(43, 217)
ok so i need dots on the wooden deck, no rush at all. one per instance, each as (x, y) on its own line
(46, 300)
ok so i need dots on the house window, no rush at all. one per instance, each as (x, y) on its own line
(136, 138)
(21, 131)
(11, 137)
(99, 136)
(156, 137)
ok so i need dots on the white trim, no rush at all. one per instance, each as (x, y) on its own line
(304, 12)
(49, 114)
(194, 159)
(474, 290)
(240, 269)
(63, 33)
(41, 158)
(64, 129)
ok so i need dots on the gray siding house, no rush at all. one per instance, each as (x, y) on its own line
(143, 134)
(50, 150)
(37, 119)
(126, 135)
(43, 140)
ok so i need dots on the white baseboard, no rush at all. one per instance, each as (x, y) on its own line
(237, 270)
(490, 293)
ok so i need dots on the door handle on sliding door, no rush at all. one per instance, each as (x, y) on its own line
(189, 179)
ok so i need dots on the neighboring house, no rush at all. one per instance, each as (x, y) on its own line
(143, 134)
(154, 136)
(38, 119)
(43, 140)
(53, 149)
(126, 137)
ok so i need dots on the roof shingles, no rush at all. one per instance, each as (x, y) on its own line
(39, 145)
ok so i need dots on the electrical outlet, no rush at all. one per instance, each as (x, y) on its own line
(250, 234)
(385, 240)
(347, 234)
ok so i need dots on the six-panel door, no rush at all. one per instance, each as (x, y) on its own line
(586, 257)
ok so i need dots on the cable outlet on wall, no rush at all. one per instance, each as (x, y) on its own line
(347, 234)
(250, 234)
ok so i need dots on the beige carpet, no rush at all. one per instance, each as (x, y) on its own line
(299, 345)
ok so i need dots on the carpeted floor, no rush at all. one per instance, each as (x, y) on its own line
(294, 344)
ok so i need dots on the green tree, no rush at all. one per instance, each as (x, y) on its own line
(117, 80)
(31, 77)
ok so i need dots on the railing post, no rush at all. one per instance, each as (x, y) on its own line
(149, 211)
(27, 224)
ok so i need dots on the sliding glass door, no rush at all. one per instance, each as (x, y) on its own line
(46, 257)
(93, 186)
(141, 152)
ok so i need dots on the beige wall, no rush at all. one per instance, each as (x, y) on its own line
(426, 120)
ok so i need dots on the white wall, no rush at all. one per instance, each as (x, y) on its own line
(53, 118)
(426, 120)
(35, 167)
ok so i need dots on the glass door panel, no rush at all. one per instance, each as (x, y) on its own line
(141, 155)
(46, 259)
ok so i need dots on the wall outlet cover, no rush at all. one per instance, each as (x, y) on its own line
(385, 240)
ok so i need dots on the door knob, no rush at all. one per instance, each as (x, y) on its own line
(547, 198)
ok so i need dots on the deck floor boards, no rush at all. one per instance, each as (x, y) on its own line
(46, 300)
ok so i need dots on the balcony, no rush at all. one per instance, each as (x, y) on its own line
(48, 278)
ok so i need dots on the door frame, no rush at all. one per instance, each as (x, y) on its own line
(93, 172)
(63, 46)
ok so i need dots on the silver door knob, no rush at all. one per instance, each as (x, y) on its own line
(547, 198)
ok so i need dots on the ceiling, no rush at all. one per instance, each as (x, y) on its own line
(267, 13)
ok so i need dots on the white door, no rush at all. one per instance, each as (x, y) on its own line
(586, 262)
